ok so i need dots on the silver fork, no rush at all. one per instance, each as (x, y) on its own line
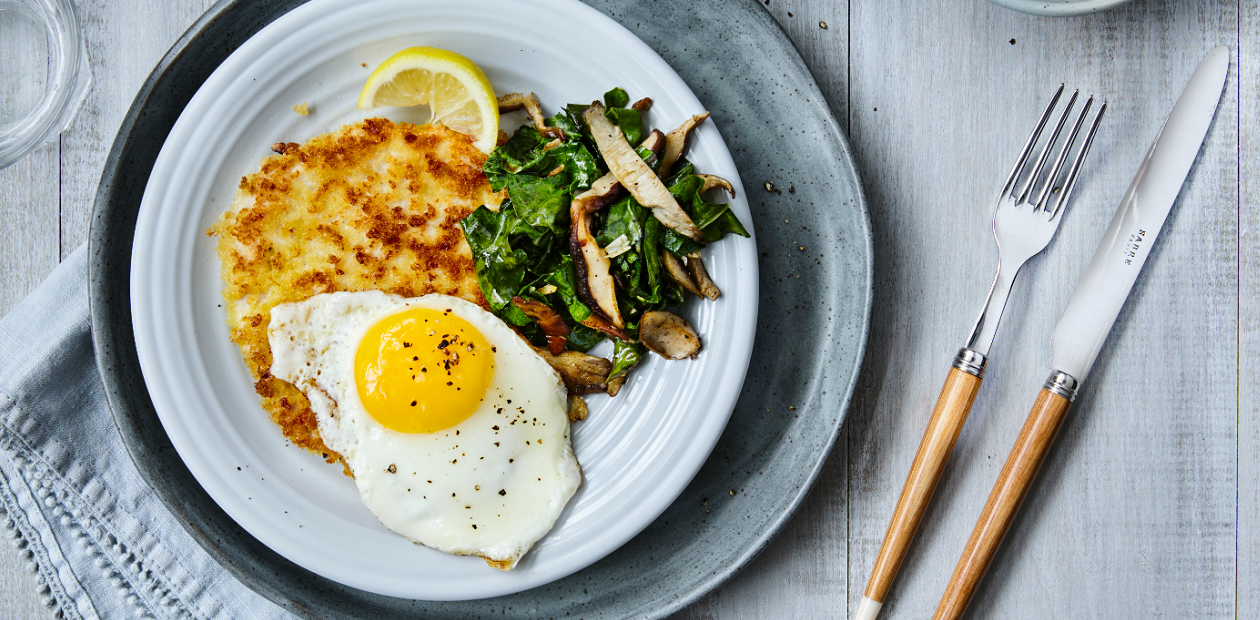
(1023, 223)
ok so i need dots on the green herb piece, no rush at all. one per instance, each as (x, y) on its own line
(500, 268)
(565, 122)
(626, 355)
(580, 166)
(564, 278)
(583, 338)
(682, 170)
(623, 219)
(616, 98)
(522, 153)
(664, 290)
(541, 205)
(574, 112)
(714, 220)
(680, 245)
(629, 120)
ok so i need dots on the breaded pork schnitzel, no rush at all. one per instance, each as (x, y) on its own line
(373, 205)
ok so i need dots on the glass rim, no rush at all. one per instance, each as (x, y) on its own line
(66, 88)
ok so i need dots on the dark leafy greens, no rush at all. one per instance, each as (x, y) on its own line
(522, 249)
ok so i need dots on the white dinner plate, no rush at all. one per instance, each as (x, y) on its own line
(638, 450)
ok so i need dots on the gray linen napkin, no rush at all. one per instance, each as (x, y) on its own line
(104, 546)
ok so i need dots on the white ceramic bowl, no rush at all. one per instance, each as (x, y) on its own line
(1059, 8)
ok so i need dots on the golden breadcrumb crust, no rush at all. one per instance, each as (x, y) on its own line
(373, 205)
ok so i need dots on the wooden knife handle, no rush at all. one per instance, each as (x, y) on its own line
(938, 442)
(1012, 486)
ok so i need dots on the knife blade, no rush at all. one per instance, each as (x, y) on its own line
(1090, 315)
(1103, 288)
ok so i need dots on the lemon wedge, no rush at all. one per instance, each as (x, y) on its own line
(456, 91)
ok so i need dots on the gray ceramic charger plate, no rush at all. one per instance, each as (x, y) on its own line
(815, 250)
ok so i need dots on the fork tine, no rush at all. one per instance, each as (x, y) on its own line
(1045, 150)
(1032, 140)
(1070, 183)
(1040, 203)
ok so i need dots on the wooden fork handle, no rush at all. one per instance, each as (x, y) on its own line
(1012, 486)
(947, 420)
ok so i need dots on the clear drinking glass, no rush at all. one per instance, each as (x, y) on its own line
(44, 73)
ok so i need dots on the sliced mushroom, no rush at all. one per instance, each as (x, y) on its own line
(597, 322)
(676, 142)
(712, 180)
(635, 175)
(581, 373)
(552, 325)
(614, 386)
(676, 270)
(642, 105)
(515, 101)
(556, 344)
(655, 142)
(577, 409)
(668, 335)
(701, 276)
(594, 282)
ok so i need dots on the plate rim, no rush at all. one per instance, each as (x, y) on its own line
(157, 104)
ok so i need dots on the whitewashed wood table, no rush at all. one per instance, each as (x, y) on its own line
(1148, 505)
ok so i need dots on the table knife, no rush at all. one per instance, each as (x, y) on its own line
(1090, 314)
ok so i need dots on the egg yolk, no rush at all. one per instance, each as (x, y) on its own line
(422, 370)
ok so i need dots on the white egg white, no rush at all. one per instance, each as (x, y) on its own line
(490, 486)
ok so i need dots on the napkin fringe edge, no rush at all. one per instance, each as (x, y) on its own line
(137, 585)
(24, 537)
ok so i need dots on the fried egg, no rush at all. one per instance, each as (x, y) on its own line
(372, 205)
(455, 430)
